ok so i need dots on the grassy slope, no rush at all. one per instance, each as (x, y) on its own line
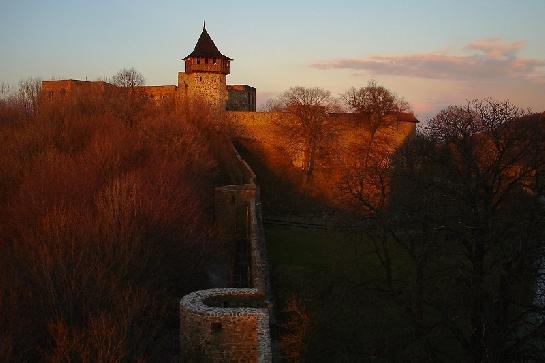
(325, 270)
(333, 275)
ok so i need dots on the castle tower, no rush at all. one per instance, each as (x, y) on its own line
(205, 73)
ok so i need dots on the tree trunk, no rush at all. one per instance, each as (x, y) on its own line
(478, 341)
(387, 260)
(419, 294)
(311, 162)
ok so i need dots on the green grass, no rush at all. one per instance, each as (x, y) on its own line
(339, 254)
(323, 269)
(303, 247)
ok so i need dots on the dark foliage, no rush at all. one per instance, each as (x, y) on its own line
(104, 225)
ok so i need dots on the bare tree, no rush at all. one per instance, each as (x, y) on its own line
(465, 208)
(487, 158)
(5, 91)
(130, 101)
(463, 203)
(28, 95)
(128, 78)
(310, 130)
(20, 103)
(366, 177)
(374, 103)
(367, 173)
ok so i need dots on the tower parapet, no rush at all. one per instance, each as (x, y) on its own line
(206, 57)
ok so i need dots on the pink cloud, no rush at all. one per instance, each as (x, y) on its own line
(495, 47)
(492, 58)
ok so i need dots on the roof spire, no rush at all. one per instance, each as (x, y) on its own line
(204, 25)
(205, 47)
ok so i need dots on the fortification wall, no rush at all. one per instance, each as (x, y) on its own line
(261, 126)
(158, 92)
(393, 134)
(255, 125)
(225, 334)
(72, 90)
(241, 97)
(232, 324)
(208, 87)
(351, 131)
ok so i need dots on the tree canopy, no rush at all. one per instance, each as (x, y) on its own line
(373, 103)
(310, 129)
(129, 78)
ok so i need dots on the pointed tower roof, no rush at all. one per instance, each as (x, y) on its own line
(205, 47)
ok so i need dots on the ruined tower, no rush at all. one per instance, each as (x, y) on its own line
(205, 73)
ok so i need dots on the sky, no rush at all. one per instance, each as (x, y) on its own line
(431, 52)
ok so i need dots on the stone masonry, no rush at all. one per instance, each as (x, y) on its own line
(232, 324)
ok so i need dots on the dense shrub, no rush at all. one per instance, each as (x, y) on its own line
(104, 225)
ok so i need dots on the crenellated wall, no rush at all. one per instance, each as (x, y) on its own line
(232, 324)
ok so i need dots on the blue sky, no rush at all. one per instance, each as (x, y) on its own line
(433, 53)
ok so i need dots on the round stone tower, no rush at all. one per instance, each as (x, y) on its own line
(205, 73)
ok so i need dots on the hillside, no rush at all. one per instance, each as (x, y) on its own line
(104, 225)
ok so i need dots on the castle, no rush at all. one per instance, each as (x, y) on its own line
(228, 324)
(204, 79)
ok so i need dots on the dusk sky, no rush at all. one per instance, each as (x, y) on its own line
(431, 52)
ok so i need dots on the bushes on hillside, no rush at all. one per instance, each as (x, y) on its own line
(104, 225)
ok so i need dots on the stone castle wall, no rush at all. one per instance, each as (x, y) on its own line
(159, 93)
(71, 89)
(261, 126)
(232, 324)
(207, 87)
(211, 333)
(241, 97)
(255, 125)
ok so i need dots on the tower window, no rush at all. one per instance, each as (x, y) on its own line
(205, 60)
(214, 61)
(198, 61)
